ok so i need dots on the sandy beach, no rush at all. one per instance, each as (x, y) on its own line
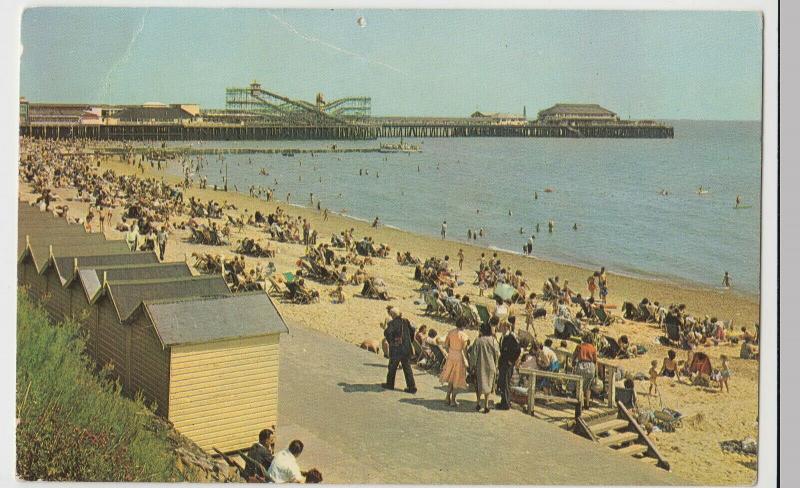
(709, 416)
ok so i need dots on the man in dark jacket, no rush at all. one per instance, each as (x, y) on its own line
(261, 453)
(398, 334)
(509, 353)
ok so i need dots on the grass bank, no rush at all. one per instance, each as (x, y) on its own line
(73, 425)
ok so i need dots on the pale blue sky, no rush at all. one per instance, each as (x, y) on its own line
(669, 65)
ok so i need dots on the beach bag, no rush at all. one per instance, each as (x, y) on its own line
(597, 385)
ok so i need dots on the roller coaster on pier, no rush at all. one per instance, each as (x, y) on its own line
(274, 108)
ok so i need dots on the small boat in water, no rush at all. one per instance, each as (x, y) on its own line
(399, 147)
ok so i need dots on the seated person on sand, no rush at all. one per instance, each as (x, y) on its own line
(748, 351)
(337, 294)
(669, 368)
(626, 349)
(746, 336)
(422, 332)
(627, 395)
(359, 276)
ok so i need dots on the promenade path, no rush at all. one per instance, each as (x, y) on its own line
(355, 432)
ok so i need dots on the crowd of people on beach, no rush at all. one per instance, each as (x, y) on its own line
(491, 363)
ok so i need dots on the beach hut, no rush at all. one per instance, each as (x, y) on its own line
(207, 359)
(117, 306)
(222, 365)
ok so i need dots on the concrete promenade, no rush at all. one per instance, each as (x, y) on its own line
(355, 432)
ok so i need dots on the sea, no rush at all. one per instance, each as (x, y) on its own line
(610, 188)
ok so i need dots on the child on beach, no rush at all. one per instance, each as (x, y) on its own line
(724, 374)
(592, 284)
(337, 294)
(653, 377)
(460, 259)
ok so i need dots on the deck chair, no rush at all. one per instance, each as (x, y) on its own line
(483, 313)
(701, 363)
(602, 316)
(416, 350)
(439, 357)
(473, 320)
(434, 306)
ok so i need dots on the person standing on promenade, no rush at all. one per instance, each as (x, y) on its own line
(398, 334)
(454, 372)
(161, 239)
(509, 353)
(484, 354)
(444, 229)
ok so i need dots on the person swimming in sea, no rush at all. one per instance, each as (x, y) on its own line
(550, 226)
(575, 226)
(738, 200)
(537, 227)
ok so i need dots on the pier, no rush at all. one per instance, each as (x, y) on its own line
(183, 132)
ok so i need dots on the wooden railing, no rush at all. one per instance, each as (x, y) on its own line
(608, 383)
(533, 395)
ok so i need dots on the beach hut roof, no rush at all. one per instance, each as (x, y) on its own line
(91, 277)
(576, 109)
(127, 296)
(65, 265)
(40, 252)
(196, 320)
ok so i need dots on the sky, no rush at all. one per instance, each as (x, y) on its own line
(663, 65)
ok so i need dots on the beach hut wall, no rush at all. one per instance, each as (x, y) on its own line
(223, 369)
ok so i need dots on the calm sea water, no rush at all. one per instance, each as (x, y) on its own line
(609, 187)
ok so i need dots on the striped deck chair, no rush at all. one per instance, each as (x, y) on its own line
(276, 287)
(483, 313)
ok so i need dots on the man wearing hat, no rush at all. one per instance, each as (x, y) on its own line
(398, 334)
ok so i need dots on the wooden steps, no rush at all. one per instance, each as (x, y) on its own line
(634, 450)
(605, 426)
(616, 439)
(620, 431)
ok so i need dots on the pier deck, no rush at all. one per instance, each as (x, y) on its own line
(395, 129)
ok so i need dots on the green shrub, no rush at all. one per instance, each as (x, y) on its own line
(72, 425)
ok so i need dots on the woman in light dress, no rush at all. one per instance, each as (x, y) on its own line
(454, 372)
